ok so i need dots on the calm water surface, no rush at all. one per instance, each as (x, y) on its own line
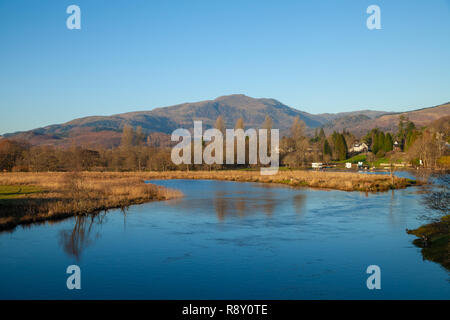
(230, 240)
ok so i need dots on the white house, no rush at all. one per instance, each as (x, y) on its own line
(359, 147)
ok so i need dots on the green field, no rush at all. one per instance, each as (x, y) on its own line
(355, 159)
(363, 158)
(11, 192)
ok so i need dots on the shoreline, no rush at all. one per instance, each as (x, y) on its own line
(62, 195)
(322, 180)
(434, 241)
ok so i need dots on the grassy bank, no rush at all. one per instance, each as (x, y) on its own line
(346, 181)
(34, 197)
(12, 192)
(434, 239)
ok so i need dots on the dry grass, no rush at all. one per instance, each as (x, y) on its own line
(346, 181)
(67, 194)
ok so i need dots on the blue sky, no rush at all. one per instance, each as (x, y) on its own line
(317, 56)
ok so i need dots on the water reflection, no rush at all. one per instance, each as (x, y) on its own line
(236, 201)
(227, 205)
(299, 202)
(223, 238)
(84, 233)
(434, 237)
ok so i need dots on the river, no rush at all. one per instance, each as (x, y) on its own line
(229, 240)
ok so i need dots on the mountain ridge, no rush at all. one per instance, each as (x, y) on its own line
(106, 130)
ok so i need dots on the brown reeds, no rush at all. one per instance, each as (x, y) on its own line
(345, 181)
(68, 194)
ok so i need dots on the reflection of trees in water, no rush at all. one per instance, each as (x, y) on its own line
(434, 238)
(220, 205)
(392, 217)
(269, 206)
(82, 235)
(299, 201)
(226, 205)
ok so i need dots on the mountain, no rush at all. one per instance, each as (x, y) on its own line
(358, 124)
(106, 130)
(330, 117)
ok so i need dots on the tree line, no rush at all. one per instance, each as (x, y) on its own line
(139, 151)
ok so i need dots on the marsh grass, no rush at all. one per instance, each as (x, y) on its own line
(345, 181)
(34, 197)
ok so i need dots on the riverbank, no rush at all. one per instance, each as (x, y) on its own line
(345, 181)
(434, 239)
(34, 197)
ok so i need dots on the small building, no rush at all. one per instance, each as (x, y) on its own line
(317, 165)
(358, 147)
(397, 146)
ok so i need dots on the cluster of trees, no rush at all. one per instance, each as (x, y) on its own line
(424, 146)
(340, 146)
(379, 142)
(297, 149)
(407, 132)
(139, 151)
(17, 156)
(429, 146)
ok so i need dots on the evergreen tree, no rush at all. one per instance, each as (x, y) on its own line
(322, 135)
(389, 143)
(344, 148)
(340, 146)
(375, 141)
(381, 140)
(326, 148)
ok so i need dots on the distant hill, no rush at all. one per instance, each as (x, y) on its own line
(106, 130)
(360, 123)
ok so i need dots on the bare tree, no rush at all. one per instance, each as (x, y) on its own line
(128, 136)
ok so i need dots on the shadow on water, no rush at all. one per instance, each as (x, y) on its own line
(236, 203)
(226, 206)
(299, 201)
(83, 234)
